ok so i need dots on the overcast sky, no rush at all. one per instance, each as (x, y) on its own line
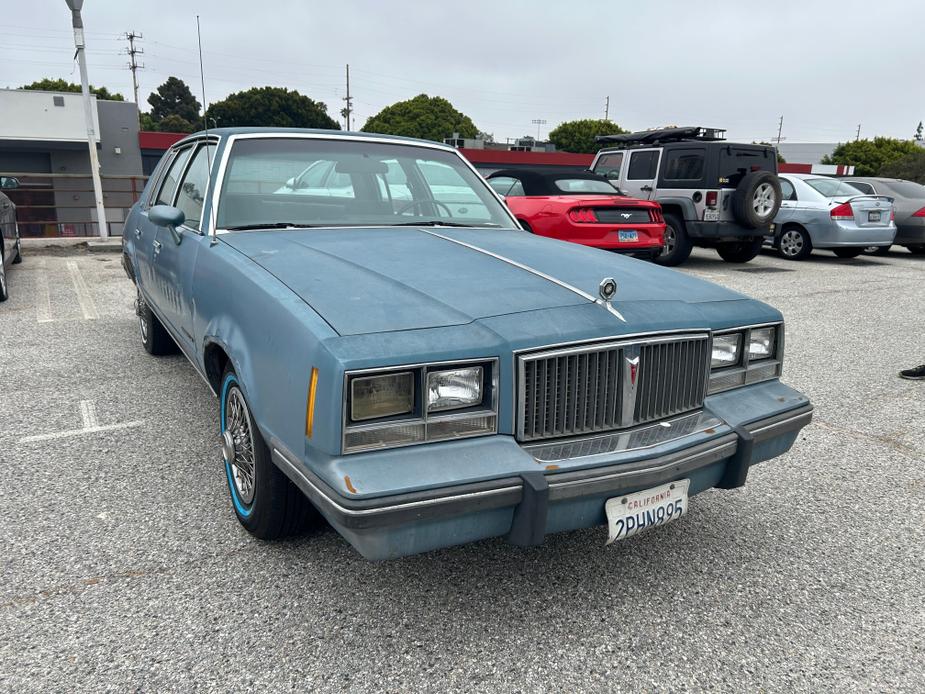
(825, 66)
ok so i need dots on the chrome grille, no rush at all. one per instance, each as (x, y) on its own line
(586, 389)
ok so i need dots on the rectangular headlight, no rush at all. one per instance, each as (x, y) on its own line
(386, 395)
(454, 389)
(725, 350)
(761, 343)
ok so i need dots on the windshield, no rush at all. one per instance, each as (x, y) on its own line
(585, 185)
(832, 188)
(338, 182)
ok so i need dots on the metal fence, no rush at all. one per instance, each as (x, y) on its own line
(63, 205)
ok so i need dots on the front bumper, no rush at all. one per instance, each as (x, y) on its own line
(537, 497)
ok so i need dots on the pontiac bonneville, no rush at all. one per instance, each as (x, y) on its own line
(419, 370)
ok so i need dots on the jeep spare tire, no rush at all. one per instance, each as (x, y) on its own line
(756, 199)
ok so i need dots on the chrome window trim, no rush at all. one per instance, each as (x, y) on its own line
(520, 356)
(277, 135)
(198, 144)
(424, 418)
(157, 177)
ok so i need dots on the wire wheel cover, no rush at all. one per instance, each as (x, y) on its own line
(239, 442)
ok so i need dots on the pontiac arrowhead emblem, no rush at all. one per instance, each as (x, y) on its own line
(629, 384)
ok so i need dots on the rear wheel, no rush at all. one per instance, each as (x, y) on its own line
(677, 245)
(739, 251)
(848, 252)
(265, 501)
(154, 336)
(794, 244)
(918, 249)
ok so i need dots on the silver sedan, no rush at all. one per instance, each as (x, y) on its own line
(826, 213)
(908, 204)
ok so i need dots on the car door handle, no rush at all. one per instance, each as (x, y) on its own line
(138, 233)
(157, 247)
(648, 189)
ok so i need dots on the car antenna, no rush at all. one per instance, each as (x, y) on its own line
(205, 121)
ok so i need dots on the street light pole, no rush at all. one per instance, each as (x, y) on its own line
(77, 23)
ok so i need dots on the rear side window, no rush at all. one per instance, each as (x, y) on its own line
(787, 191)
(906, 189)
(735, 163)
(608, 165)
(507, 186)
(169, 184)
(683, 165)
(643, 166)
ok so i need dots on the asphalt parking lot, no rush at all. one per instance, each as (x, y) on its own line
(125, 569)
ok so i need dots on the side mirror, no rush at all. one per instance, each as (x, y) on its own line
(9, 182)
(167, 216)
(290, 183)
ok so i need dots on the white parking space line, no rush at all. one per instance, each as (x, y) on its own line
(90, 426)
(87, 305)
(42, 294)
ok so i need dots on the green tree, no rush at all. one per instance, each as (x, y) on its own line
(910, 167)
(579, 135)
(177, 124)
(869, 156)
(174, 98)
(271, 106)
(59, 85)
(425, 117)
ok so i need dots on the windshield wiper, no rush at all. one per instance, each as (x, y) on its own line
(439, 223)
(272, 225)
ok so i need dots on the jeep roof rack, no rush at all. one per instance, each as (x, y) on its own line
(661, 135)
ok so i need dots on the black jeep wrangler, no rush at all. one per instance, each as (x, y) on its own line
(714, 193)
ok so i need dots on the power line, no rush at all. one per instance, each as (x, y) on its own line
(133, 65)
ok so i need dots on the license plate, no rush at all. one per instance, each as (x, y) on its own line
(873, 216)
(633, 513)
(711, 215)
(629, 236)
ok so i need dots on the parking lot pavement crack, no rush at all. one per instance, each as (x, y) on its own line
(884, 439)
(82, 584)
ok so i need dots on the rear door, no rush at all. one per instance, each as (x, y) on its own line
(788, 203)
(173, 262)
(641, 172)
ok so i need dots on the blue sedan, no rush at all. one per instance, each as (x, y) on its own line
(419, 371)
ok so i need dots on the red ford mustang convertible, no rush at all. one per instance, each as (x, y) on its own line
(581, 207)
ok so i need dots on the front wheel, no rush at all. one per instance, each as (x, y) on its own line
(848, 252)
(265, 501)
(794, 244)
(739, 251)
(676, 246)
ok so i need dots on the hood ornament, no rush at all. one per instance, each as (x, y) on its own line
(607, 289)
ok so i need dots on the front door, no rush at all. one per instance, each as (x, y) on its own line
(641, 173)
(174, 255)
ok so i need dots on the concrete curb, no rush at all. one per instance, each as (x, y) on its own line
(71, 245)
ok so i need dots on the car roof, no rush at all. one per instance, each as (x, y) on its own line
(345, 134)
(543, 182)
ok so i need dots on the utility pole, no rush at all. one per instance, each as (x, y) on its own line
(133, 65)
(80, 45)
(607, 109)
(780, 129)
(858, 135)
(348, 109)
(538, 122)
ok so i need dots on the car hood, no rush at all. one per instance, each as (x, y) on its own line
(386, 279)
